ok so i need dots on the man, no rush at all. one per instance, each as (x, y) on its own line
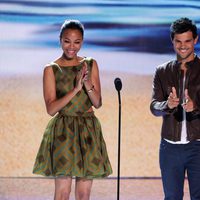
(176, 97)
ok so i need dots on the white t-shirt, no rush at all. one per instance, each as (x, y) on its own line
(184, 129)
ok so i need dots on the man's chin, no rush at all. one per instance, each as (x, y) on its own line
(184, 57)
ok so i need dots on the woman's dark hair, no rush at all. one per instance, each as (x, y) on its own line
(72, 24)
(183, 25)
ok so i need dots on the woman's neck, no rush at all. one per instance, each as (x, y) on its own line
(69, 61)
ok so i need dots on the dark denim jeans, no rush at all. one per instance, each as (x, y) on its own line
(175, 161)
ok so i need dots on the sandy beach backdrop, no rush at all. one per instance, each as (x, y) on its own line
(125, 43)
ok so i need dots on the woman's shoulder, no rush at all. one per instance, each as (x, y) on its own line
(89, 59)
(52, 66)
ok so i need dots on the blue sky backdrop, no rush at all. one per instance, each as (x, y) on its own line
(113, 25)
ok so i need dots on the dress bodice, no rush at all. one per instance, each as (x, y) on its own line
(65, 77)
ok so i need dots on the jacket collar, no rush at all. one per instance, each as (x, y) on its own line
(188, 64)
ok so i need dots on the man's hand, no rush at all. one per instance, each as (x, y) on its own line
(173, 100)
(188, 104)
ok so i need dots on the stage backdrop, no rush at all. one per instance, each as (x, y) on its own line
(129, 39)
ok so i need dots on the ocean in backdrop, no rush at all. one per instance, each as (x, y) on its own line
(112, 26)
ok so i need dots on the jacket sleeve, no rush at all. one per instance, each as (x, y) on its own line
(197, 102)
(158, 105)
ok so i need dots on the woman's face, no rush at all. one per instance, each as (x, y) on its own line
(71, 42)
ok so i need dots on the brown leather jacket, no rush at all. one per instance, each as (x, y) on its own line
(167, 76)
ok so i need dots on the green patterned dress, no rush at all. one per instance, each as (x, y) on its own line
(72, 143)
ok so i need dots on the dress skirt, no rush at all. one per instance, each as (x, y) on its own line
(73, 145)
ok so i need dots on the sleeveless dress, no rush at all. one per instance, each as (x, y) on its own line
(72, 143)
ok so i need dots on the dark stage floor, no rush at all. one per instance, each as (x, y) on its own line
(104, 189)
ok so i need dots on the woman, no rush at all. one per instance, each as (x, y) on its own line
(72, 145)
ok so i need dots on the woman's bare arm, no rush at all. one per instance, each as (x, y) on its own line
(93, 86)
(53, 105)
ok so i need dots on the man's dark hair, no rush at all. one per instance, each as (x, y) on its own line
(183, 25)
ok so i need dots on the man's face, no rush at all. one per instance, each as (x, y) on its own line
(184, 46)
